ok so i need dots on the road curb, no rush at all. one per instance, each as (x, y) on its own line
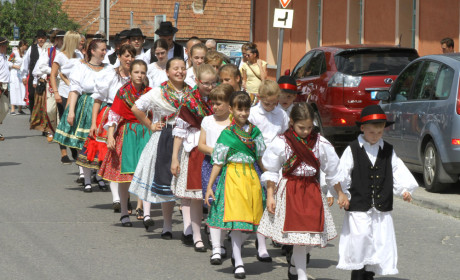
(434, 204)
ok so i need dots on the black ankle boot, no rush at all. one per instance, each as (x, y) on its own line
(358, 274)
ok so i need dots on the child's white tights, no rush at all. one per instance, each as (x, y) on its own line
(146, 206)
(114, 190)
(217, 240)
(299, 259)
(185, 207)
(263, 253)
(237, 240)
(192, 213)
(167, 209)
(124, 195)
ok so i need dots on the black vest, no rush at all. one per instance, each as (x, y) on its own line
(371, 185)
(178, 52)
(113, 58)
(34, 56)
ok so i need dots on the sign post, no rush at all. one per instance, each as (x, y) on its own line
(176, 12)
(16, 32)
(282, 19)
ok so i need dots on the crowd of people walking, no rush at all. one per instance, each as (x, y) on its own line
(171, 125)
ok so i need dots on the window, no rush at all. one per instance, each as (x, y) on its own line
(299, 71)
(444, 82)
(402, 86)
(424, 87)
(317, 65)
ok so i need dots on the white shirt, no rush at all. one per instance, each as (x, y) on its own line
(213, 130)
(403, 180)
(156, 75)
(4, 69)
(108, 82)
(270, 123)
(190, 78)
(82, 77)
(25, 64)
(288, 110)
(42, 67)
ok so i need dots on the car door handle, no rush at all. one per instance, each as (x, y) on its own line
(421, 114)
(310, 84)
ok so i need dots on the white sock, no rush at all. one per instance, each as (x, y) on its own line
(114, 190)
(299, 255)
(237, 241)
(124, 195)
(216, 241)
(80, 169)
(167, 209)
(196, 213)
(185, 206)
(263, 253)
(87, 175)
(146, 206)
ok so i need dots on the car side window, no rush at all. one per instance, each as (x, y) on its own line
(444, 82)
(402, 87)
(300, 71)
(426, 81)
(317, 64)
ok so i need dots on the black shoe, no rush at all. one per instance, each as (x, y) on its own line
(44, 133)
(276, 244)
(239, 275)
(80, 180)
(262, 259)
(66, 160)
(216, 261)
(358, 274)
(290, 275)
(102, 186)
(200, 249)
(224, 254)
(116, 206)
(288, 249)
(369, 275)
(125, 224)
(21, 112)
(187, 239)
(148, 222)
(308, 258)
(88, 189)
(74, 153)
(166, 235)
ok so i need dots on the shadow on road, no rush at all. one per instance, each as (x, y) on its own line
(9, 163)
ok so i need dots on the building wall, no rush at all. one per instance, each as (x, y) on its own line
(379, 22)
(437, 22)
(334, 30)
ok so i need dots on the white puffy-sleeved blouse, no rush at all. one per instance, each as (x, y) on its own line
(278, 152)
(220, 152)
(108, 82)
(191, 135)
(403, 180)
(190, 78)
(213, 130)
(270, 123)
(155, 102)
(65, 67)
(82, 77)
(155, 75)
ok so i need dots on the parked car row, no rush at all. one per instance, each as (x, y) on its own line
(423, 101)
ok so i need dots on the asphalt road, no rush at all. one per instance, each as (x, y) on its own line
(50, 229)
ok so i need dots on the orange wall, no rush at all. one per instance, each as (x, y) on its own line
(379, 22)
(295, 39)
(260, 27)
(437, 22)
(334, 30)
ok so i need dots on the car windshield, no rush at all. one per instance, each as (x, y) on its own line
(373, 62)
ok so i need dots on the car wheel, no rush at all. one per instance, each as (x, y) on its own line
(317, 123)
(431, 169)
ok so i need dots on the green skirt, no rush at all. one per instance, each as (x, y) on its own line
(136, 136)
(216, 212)
(75, 136)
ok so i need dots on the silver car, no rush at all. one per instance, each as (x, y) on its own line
(424, 103)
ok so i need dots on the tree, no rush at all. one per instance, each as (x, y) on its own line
(32, 15)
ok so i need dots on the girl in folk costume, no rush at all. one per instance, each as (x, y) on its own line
(126, 136)
(230, 74)
(60, 83)
(197, 54)
(186, 183)
(44, 115)
(211, 127)
(239, 200)
(157, 70)
(108, 83)
(73, 129)
(17, 88)
(152, 179)
(297, 212)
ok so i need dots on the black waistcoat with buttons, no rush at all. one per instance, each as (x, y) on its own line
(371, 185)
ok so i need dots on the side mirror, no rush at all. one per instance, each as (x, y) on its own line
(383, 95)
(287, 72)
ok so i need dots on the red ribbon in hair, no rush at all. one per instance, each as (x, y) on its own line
(288, 86)
(374, 117)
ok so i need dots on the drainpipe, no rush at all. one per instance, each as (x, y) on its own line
(251, 23)
(414, 18)
(319, 22)
(360, 31)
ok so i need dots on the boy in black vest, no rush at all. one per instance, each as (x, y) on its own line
(372, 174)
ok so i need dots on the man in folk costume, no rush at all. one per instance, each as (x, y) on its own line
(4, 80)
(373, 173)
(30, 59)
(45, 118)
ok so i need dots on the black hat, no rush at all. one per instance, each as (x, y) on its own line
(3, 41)
(41, 33)
(136, 32)
(124, 34)
(166, 29)
(288, 84)
(60, 33)
(373, 114)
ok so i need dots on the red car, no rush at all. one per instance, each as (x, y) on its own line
(338, 81)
